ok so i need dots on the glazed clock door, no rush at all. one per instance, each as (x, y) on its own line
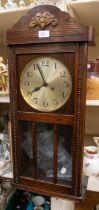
(48, 156)
(47, 69)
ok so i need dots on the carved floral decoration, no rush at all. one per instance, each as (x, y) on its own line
(43, 19)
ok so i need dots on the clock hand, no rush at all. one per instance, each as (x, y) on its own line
(36, 89)
(44, 81)
(42, 75)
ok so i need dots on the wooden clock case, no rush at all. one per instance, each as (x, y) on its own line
(47, 31)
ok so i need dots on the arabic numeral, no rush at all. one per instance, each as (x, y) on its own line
(35, 66)
(63, 73)
(35, 100)
(55, 101)
(26, 83)
(45, 103)
(63, 94)
(65, 84)
(29, 73)
(45, 63)
(55, 65)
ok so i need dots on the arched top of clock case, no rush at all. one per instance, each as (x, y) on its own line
(59, 24)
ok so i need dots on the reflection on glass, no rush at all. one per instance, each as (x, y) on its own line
(27, 139)
(26, 151)
(64, 153)
(44, 151)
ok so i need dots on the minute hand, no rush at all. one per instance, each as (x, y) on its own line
(42, 75)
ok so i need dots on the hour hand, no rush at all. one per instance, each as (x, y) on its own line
(35, 89)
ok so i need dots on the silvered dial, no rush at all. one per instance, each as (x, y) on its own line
(45, 84)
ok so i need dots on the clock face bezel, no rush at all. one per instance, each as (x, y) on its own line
(35, 105)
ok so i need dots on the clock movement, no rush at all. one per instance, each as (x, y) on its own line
(47, 55)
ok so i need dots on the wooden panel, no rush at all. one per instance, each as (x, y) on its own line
(43, 117)
(65, 30)
(90, 200)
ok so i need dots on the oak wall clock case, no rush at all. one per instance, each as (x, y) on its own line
(47, 67)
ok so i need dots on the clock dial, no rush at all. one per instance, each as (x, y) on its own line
(45, 84)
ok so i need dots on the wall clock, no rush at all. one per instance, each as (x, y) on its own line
(47, 68)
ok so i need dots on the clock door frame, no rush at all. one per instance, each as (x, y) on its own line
(66, 36)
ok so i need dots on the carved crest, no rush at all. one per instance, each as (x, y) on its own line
(43, 19)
